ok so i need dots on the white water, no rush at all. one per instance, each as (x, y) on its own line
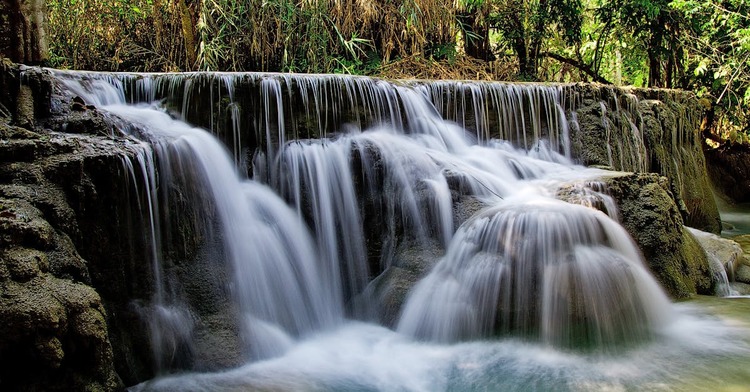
(547, 277)
(566, 274)
(688, 356)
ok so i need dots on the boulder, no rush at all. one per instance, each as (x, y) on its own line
(648, 211)
(726, 252)
(742, 268)
(742, 274)
(740, 288)
(412, 260)
(55, 334)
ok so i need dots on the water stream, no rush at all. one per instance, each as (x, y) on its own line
(527, 293)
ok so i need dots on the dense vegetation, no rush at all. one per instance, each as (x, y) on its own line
(702, 45)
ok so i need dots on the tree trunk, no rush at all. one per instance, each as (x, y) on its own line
(516, 30)
(523, 59)
(654, 69)
(23, 37)
(158, 23)
(476, 37)
(654, 49)
(188, 34)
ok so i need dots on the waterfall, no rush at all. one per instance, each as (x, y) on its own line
(720, 269)
(534, 266)
(278, 288)
(347, 170)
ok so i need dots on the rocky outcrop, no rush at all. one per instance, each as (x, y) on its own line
(389, 291)
(77, 275)
(728, 254)
(62, 232)
(409, 261)
(649, 213)
(740, 275)
(54, 334)
(644, 130)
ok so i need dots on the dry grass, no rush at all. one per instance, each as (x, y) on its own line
(459, 68)
(267, 35)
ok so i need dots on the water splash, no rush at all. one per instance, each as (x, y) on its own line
(563, 274)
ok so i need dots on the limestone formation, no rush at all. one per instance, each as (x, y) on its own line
(726, 252)
(644, 130)
(54, 334)
(649, 213)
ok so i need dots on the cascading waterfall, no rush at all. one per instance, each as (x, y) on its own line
(279, 290)
(541, 267)
(345, 171)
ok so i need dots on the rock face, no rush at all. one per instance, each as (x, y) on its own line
(54, 334)
(649, 213)
(651, 131)
(727, 253)
(76, 273)
(61, 234)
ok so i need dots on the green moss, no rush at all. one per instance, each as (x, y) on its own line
(666, 142)
(649, 213)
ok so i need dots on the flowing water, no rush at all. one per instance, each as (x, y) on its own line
(527, 292)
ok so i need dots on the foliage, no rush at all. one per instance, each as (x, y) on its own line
(528, 26)
(113, 35)
(718, 37)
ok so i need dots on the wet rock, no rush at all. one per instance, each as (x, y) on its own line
(23, 224)
(742, 274)
(411, 262)
(77, 104)
(645, 130)
(81, 120)
(742, 269)
(9, 84)
(24, 264)
(649, 213)
(465, 207)
(726, 252)
(740, 288)
(54, 335)
(57, 336)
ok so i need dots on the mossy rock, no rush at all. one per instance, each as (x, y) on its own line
(649, 213)
(648, 130)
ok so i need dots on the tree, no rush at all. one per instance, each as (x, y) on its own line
(526, 25)
(658, 29)
(718, 60)
(473, 21)
(23, 37)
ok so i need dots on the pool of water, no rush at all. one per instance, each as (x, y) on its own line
(705, 348)
(735, 218)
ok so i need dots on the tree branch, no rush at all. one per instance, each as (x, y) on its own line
(583, 67)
